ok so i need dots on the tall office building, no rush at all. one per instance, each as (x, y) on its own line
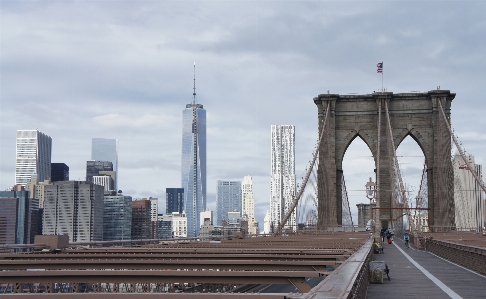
(174, 200)
(154, 212)
(36, 189)
(33, 156)
(117, 218)
(19, 216)
(193, 164)
(468, 195)
(59, 172)
(103, 149)
(141, 219)
(282, 181)
(228, 199)
(74, 208)
(248, 204)
(93, 168)
(164, 226)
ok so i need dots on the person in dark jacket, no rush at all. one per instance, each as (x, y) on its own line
(388, 236)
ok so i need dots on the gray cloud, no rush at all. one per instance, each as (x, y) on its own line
(123, 70)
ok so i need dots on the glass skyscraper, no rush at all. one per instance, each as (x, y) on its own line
(174, 200)
(282, 181)
(103, 149)
(117, 218)
(228, 199)
(193, 164)
(33, 156)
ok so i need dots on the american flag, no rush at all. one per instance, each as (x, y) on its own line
(379, 65)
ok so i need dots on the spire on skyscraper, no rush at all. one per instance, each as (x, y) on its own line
(194, 88)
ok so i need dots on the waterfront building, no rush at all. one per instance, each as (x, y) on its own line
(141, 219)
(104, 149)
(248, 205)
(104, 180)
(93, 168)
(193, 164)
(282, 180)
(117, 217)
(33, 156)
(19, 216)
(179, 225)
(154, 212)
(73, 208)
(164, 226)
(174, 200)
(59, 172)
(468, 195)
(36, 189)
(228, 199)
(206, 216)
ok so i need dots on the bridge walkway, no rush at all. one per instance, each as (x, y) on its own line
(420, 274)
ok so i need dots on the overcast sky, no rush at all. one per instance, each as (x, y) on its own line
(124, 69)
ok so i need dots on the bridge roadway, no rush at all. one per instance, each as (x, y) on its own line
(421, 274)
(294, 266)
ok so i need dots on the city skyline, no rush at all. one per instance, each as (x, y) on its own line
(77, 71)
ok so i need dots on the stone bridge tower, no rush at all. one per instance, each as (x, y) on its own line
(411, 114)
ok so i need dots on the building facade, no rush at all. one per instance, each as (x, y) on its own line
(93, 168)
(248, 205)
(73, 208)
(154, 212)
(193, 164)
(19, 216)
(8, 219)
(468, 195)
(104, 180)
(228, 199)
(141, 219)
(103, 149)
(164, 226)
(59, 172)
(179, 225)
(117, 218)
(174, 200)
(33, 156)
(282, 180)
(36, 189)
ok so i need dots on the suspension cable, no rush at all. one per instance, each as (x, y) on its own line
(375, 217)
(306, 178)
(461, 152)
(395, 160)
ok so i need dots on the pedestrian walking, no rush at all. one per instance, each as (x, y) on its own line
(406, 238)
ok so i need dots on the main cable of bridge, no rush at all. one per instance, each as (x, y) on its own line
(306, 178)
(461, 152)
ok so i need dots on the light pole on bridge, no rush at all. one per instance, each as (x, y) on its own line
(371, 195)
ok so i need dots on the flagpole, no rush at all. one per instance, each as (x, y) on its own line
(382, 71)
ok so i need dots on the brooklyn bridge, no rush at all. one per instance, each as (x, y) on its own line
(326, 255)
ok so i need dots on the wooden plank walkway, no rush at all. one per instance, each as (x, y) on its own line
(408, 281)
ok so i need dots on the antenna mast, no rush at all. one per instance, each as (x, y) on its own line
(194, 88)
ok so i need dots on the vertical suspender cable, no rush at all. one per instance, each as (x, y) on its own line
(395, 160)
